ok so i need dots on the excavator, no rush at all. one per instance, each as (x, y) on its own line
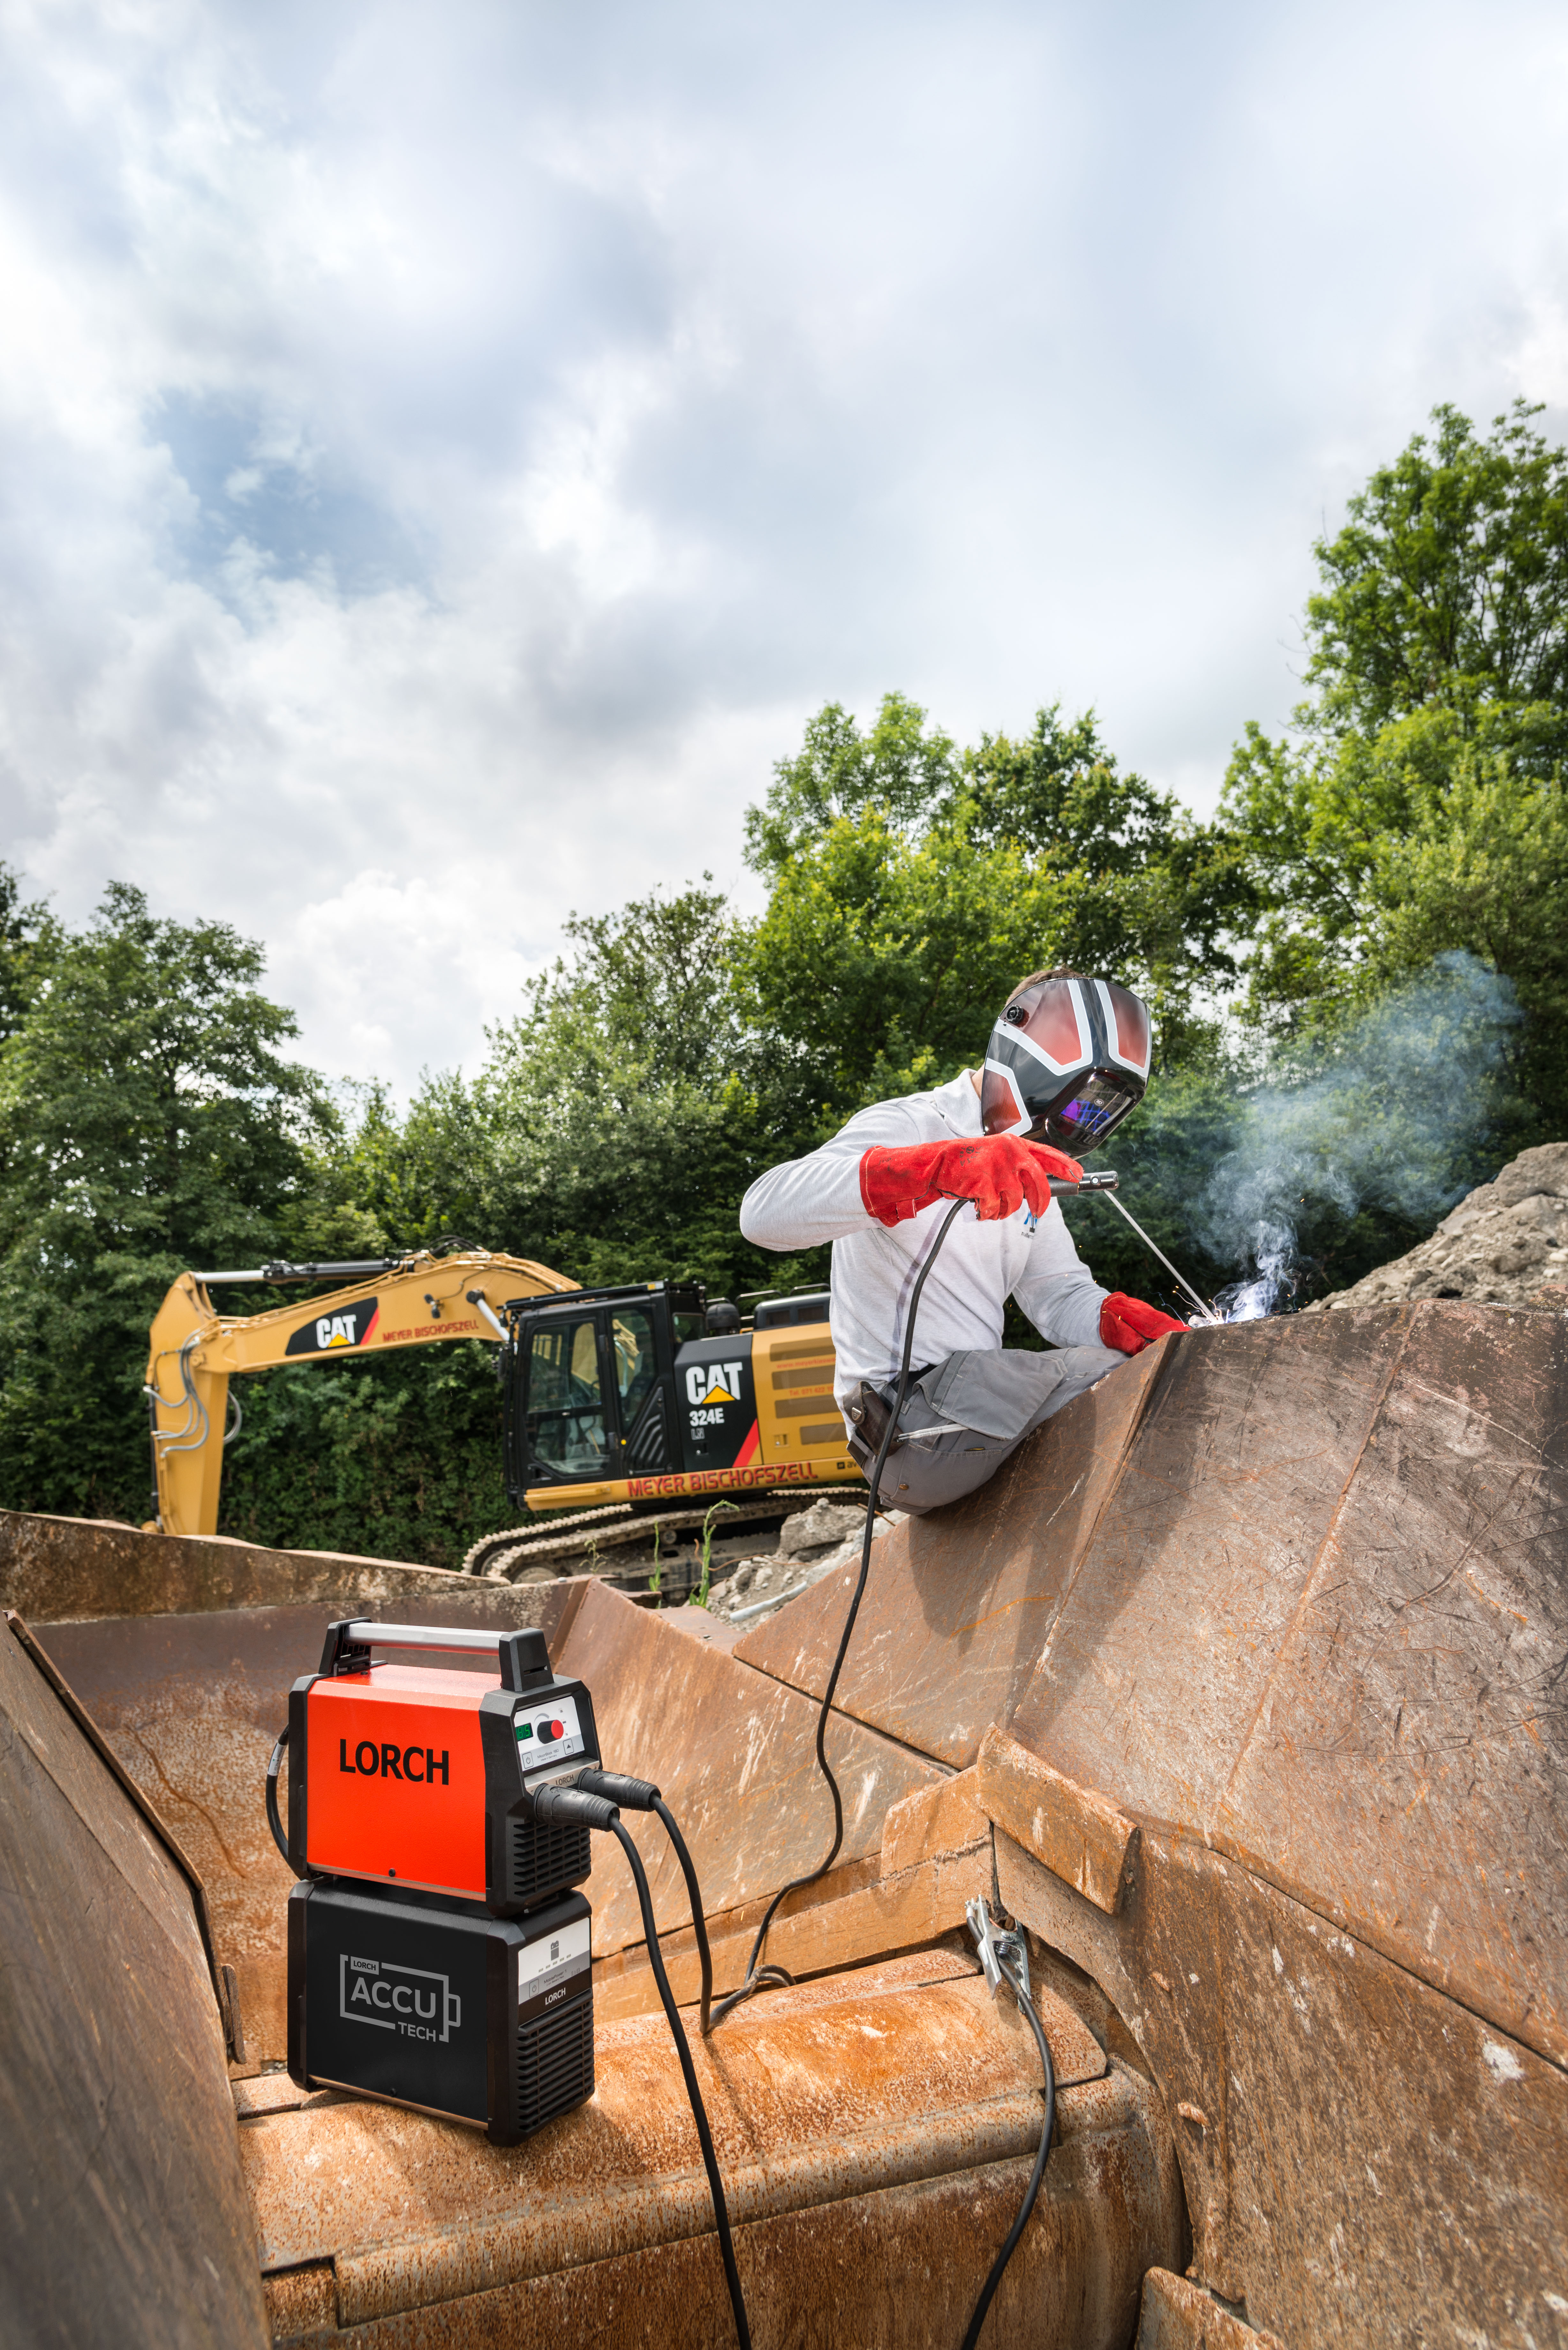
(643, 1395)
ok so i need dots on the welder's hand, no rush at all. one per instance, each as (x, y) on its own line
(997, 1172)
(1127, 1323)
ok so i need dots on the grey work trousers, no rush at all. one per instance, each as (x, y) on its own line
(963, 1416)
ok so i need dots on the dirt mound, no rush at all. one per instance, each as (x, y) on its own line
(1504, 1241)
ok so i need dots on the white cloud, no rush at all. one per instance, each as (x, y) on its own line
(449, 455)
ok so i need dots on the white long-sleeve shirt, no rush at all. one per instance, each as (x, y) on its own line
(808, 1201)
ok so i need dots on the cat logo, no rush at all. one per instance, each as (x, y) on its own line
(352, 1327)
(713, 1383)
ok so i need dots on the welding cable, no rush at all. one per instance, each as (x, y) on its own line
(988, 2290)
(565, 1805)
(771, 1977)
(642, 1795)
(273, 1820)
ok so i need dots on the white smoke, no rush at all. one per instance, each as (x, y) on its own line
(1390, 1112)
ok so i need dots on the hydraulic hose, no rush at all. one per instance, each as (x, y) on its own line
(758, 1981)
(988, 2290)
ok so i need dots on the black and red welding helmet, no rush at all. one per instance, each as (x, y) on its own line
(1066, 1061)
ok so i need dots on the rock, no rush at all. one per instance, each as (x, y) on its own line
(821, 1527)
(780, 1571)
(1503, 1243)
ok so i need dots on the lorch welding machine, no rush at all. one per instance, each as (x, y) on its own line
(436, 1952)
(438, 1821)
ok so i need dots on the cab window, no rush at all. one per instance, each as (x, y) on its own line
(634, 1365)
(566, 1402)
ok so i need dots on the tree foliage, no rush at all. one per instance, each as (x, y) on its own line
(1358, 972)
(149, 1121)
(1416, 808)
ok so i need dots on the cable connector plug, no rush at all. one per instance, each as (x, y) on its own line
(631, 1794)
(567, 1807)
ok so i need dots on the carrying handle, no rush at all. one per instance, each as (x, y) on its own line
(523, 1657)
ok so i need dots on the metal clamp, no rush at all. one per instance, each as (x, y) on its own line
(1004, 1953)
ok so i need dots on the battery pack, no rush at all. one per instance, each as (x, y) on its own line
(442, 2005)
(416, 1776)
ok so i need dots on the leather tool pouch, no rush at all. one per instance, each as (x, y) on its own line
(871, 1412)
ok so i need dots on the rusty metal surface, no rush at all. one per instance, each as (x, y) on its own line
(1324, 1626)
(54, 1569)
(823, 2102)
(958, 1605)
(1364, 2159)
(1176, 2314)
(1318, 1614)
(1080, 1836)
(733, 1751)
(125, 2217)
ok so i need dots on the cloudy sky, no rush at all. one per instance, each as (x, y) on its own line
(447, 452)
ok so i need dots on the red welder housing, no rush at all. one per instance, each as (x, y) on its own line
(417, 1775)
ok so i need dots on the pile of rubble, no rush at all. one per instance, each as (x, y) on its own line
(1503, 1242)
(812, 1543)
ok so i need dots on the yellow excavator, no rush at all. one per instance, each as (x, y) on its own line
(643, 1394)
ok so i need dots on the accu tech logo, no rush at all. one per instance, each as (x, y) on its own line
(410, 1999)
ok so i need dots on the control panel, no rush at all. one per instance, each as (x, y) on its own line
(548, 1734)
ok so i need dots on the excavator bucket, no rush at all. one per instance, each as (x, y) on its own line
(1237, 1690)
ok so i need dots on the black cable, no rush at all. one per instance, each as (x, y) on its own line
(642, 1795)
(988, 2289)
(775, 1975)
(699, 2113)
(694, 1895)
(273, 1819)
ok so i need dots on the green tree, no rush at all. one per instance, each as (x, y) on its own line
(1141, 889)
(27, 937)
(1415, 809)
(1447, 586)
(911, 886)
(897, 771)
(148, 1122)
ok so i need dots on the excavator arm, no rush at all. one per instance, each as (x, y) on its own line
(194, 1351)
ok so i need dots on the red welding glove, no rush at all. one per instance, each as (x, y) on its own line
(997, 1172)
(1127, 1323)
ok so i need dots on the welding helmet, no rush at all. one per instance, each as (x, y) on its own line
(1066, 1061)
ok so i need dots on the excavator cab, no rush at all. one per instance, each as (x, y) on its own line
(610, 1385)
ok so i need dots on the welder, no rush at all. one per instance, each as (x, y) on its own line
(1068, 1058)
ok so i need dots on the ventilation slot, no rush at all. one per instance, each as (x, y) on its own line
(555, 2062)
(545, 1860)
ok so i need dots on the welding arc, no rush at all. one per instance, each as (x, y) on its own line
(1204, 1305)
(775, 1976)
(698, 2112)
(988, 2290)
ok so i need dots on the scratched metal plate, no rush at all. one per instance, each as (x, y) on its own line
(733, 1751)
(958, 1606)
